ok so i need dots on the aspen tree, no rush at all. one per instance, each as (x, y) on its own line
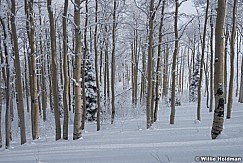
(189, 64)
(182, 65)
(135, 59)
(65, 70)
(96, 65)
(7, 84)
(60, 46)
(42, 78)
(28, 59)
(218, 119)
(105, 76)
(165, 73)
(158, 69)
(11, 103)
(85, 52)
(43, 87)
(107, 72)
(206, 72)
(113, 62)
(211, 64)
(152, 85)
(172, 114)
(101, 61)
(143, 74)
(39, 51)
(54, 70)
(133, 69)
(27, 93)
(225, 64)
(72, 86)
(201, 64)
(49, 66)
(133, 66)
(2, 62)
(7, 112)
(238, 47)
(78, 113)
(18, 84)
(149, 65)
(232, 66)
(183, 71)
(30, 27)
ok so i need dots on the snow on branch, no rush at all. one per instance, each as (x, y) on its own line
(76, 82)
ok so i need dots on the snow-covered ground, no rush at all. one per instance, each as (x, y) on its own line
(128, 141)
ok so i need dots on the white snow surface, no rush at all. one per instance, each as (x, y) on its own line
(128, 141)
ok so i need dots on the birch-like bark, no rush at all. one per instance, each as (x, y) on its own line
(113, 62)
(49, 67)
(158, 69)
(43, 87)
(77, 73)
(96, 66)
(7, 113)
(83, 64)
(54, 70)
(7, 85)
(134, 66)
(132, 69)
(30, 26)
(2, 62)
(165, 73)
(202, 64)
(27, 92)
(143, 76)
(42, 78)
(218, 119)
(18, 84)
(107, 97)
(226, 64)
(232, 58)
(238, 47)
(105, 74)
(172, 114)
(211, 64)
(149, 65)
(65, 70)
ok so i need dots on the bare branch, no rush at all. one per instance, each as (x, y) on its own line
(182, 2)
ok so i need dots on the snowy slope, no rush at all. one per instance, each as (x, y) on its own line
(128, 141)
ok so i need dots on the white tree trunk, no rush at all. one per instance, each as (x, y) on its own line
(232, 58)
(218, 120)
(77, 73)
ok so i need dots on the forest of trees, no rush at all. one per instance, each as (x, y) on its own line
(79, 60)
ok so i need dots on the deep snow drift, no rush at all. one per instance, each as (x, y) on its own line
(128, 141)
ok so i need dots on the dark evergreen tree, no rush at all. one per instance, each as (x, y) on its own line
(90, 86)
